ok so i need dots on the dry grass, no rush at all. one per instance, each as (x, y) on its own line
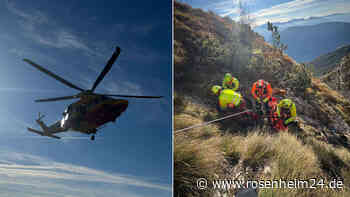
(287, 157)
(197, 154)
(231, 148)
(294, 160)
(190, 163)
(206, 151)
(344, 154)
(331, 100)
(184, 121)
(326, 92)
(256, 150)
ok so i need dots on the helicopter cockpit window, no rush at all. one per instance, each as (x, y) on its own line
(67, 110)
(64, 119)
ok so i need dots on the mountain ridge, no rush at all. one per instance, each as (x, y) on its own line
(326, 62)
(306, 42)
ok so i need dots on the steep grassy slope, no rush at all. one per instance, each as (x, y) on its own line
(327, 62)
(213, 153)
(206, 46)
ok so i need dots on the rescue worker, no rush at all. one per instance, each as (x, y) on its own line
(230, 82)
(262, 93)
(287, 111)
(228, 99)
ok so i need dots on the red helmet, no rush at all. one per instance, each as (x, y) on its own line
(260, 84)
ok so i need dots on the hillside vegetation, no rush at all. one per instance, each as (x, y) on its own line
(207, 46)
(339, 77)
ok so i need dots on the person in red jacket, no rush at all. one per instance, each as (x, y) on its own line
(262, 93)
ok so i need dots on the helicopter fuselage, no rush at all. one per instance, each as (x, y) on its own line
(90, 113)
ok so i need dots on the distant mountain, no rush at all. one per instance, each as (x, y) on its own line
(327, 62)
(308, 42)
(262, 29)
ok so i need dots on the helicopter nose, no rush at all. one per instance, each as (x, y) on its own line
(126, 103)
(122, 104)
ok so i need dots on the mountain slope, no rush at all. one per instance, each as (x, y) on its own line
(308, 42)
(339, 77)
(327, 62)
(205, 47)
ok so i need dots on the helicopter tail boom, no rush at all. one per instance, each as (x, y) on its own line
(47, 131)
(43, 133)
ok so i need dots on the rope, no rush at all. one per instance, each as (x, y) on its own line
(206, 123)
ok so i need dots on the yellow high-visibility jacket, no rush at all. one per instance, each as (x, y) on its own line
(292, 110)
(230, 83)
(228, 96)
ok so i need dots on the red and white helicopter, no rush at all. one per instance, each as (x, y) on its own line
(90, 112)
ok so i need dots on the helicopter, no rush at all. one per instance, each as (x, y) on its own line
(90, 112)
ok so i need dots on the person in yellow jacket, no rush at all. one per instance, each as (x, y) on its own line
(228, 99)
(230, 82)
(287, 111)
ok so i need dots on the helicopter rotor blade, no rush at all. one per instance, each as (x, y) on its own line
(129, 96)
(106, 68)
(58, 78)
(57, 98)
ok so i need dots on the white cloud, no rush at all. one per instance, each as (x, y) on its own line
(121, 88)
(301, 9)
(34, 17)
(286, 8)
(64, 39)
(36, 174)
(228, 12)
(109, 86)
(54, 35)
(229, 7)
(284, 12)
(61, 37)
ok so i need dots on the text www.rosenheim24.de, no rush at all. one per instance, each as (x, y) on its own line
(227, 184)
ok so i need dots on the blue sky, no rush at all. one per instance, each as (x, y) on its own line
(74, 39)
(274, 11)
